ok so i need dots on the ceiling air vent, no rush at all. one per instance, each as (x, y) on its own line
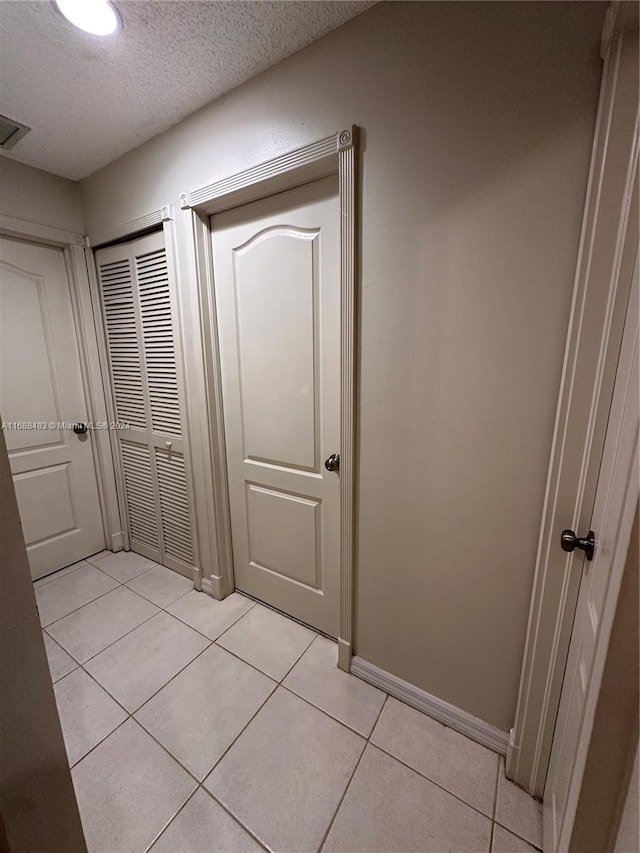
(11, 132)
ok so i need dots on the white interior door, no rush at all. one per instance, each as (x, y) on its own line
(277, 280)
(41, 384)
(140, 322)
(615, 505)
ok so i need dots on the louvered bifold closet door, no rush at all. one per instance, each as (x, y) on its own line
(139, 326)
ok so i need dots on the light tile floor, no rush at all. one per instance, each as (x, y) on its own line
(194, 725)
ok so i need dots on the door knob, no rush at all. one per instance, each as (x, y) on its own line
(333, 462)
(569, 542)
(80, 428)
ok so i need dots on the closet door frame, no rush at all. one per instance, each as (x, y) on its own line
(159, 219)
(334, 154)
(78, 267)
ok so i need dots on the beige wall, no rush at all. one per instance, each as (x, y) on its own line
(478, 120)
(37, 196)
(38, 807)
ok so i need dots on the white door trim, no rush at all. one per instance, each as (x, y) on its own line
(333, 154)
(73, 246)
(162, 217)
(603, 280)
(126, 230)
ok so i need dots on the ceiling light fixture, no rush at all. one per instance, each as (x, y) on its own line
(97, 17)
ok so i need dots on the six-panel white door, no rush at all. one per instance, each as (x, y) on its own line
(277, 281)
(40, 382)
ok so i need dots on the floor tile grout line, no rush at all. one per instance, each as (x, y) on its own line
(101, 741)
(248, 663)
(502, 769)
(75, 610)
(40, 583)
(256, 669)
(367, 739)
(495, 805)
(135, 577)
(221, 805)
(139, 625)
(291, 692)
(142, 595)
(82, 664)
(171, 819)
(495, 790)
(102, 595)
(518, 835)
(328, 714)
(199, 784)
(153, 695)
(290, 618)
(299, 658)
(348, 785)
(236, 819)
(432, 781)
(200, 632)
(159, 610)
(62, 649)
(131, 714)
(278, 683)
(93, 657)
(240, 733)
(102, 571)
(258, 709)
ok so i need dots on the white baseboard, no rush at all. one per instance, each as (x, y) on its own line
(457, 719)
(345, 655)
(116, 542)
(212, 586)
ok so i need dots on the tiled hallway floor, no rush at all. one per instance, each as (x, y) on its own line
(199, 726)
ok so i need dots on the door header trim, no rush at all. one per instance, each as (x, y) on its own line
(153, 219)
(11, 226)
(312, 161)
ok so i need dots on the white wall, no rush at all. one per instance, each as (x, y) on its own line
(478, 120)
(28, 193)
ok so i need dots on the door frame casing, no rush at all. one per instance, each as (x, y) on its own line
(603, 280)
(334, 154)
(74, 250)
(163, 219)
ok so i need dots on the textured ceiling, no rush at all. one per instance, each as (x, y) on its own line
(89, 100)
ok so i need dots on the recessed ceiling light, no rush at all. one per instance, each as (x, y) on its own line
(97, 17)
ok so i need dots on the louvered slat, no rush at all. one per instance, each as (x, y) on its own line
(157, 330)
(141, 505)
(122, 340)
(174, 505)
